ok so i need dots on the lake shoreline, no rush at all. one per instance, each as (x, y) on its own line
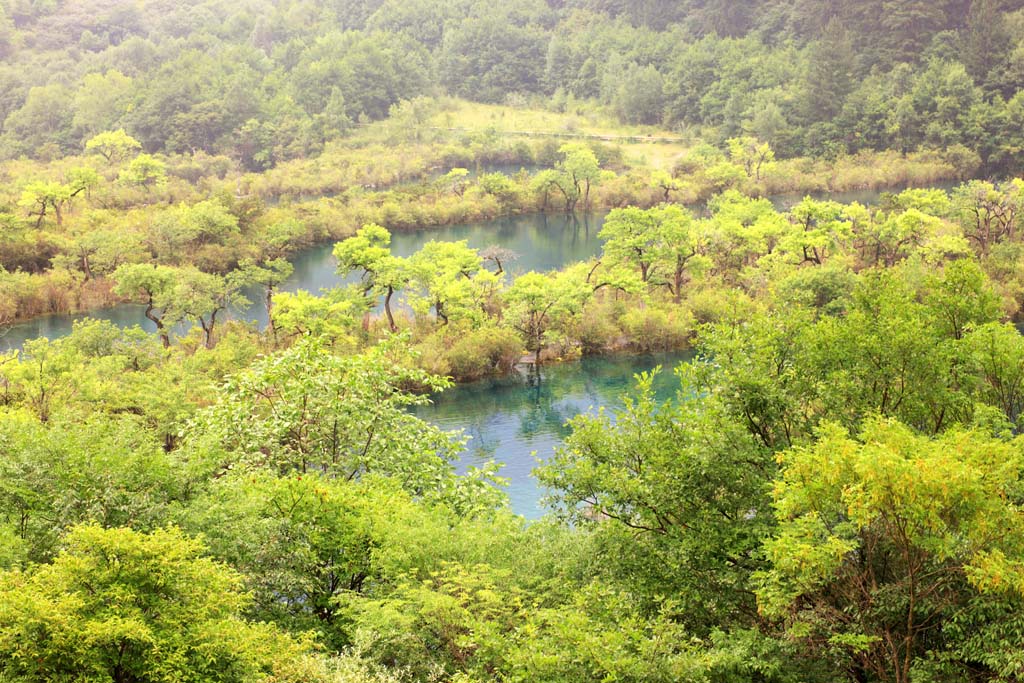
(101, 298)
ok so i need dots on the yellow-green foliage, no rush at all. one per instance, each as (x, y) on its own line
(657, 327)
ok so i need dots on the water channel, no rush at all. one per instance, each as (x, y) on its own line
(514, 420)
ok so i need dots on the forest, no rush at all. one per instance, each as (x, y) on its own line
(818, 205)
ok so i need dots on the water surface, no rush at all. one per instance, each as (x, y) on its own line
(521, 419)
(543, 242)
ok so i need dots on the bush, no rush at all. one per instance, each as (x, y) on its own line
(482, 352)
(657, 329)
(597, 330)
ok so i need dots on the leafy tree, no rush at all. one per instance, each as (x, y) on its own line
(41, 127)
(101, 102)
(456, 180)
(307, 410)
(144, 171)
(40, 196)
(114, 146)
(98, 252)
(677, 492)
(997, 350)
(448, 277)
(574, 175)
(486, 57)
(271, 274)
(752, 154)
(662, 242)
(639, 98)
(154, 285)
(535, 304)
(988, 214)
(382, 273)
(109, 471)
(332, 316)
(667, 183)
(819, 231)
(201, 297)
(119, 605)
(887, 543)
(300, 541)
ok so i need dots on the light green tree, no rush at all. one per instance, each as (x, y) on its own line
(448, 277)
(117, 605)
(754, 156)
(113, 145)
(382, 273)
(535, 303)
(145, 171)
(890, 544)
(153, 285)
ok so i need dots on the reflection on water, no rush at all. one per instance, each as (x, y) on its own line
(520, 418)
(543, 242)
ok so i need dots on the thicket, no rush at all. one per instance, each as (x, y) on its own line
(834, 494)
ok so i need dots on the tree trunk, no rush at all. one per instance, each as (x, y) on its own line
(158, 321)
(208, 329)
(270, 313)
(387, 309)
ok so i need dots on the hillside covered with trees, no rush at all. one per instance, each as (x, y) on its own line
(267, 81)
(833, 491)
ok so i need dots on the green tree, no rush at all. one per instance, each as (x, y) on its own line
(448, 277)
(101, 102)
(41, 196)
(820, 230)
(114, 146)
(752, 154)
(301, 541)
(145, 171)
(579, 170)
(201, 297)
(271, 274)
(677, 493)
(108, 470)
(535, 303)
(154, 286)
(308, 410)
(118, 605)
(663, 243)
(890, 542)
(382, 274)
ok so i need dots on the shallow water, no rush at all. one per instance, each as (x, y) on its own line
(520, 419)
(542, 241)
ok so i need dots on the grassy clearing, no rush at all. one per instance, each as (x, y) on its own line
(474, 117)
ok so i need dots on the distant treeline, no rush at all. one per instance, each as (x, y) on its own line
(266, 80)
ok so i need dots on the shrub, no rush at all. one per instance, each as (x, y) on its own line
(482, 352)
(657, 329)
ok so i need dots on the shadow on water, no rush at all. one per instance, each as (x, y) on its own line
(520, 418)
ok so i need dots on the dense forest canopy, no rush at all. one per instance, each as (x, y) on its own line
(834, 493)
(268, 81)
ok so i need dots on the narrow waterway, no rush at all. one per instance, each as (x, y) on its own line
(542, 242)
(516, 420)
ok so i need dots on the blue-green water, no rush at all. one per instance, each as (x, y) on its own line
(542, 241)
(521, 418)
(506, 418)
